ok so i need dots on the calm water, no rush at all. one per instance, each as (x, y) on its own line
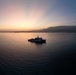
(20, 57)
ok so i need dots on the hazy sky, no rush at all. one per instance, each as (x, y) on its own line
(36, 14)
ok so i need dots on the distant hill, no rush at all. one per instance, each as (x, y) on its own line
(60, 29)
(64, 29)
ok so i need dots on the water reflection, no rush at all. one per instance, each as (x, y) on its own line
(20, 57)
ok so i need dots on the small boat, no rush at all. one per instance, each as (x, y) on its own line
(37, 40)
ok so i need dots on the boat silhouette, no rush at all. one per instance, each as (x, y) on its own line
(37, 40)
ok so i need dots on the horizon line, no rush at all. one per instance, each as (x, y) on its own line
(34, 30)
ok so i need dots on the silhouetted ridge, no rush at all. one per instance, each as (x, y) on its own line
(60, 29)
(68, 29)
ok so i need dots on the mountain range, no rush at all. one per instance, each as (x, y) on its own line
(64, 29)
(59, 29)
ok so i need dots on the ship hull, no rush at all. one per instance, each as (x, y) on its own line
(37, 41)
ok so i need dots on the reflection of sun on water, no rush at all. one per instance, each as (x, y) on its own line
(18, 40)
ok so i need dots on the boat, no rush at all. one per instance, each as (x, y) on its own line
(37, 40)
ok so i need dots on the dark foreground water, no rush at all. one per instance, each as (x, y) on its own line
(20, 57)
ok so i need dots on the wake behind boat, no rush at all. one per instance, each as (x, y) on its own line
(37, 40)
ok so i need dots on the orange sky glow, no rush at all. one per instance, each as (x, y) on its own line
(30, 15)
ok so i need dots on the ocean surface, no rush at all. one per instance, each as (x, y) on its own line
(55, 57)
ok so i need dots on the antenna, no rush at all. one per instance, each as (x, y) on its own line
(37, 36)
